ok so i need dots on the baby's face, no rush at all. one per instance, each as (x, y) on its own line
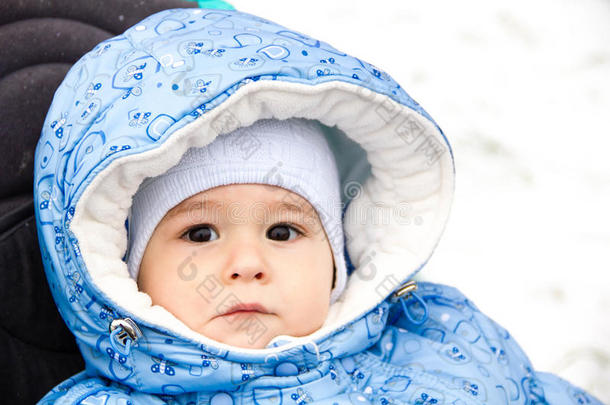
(241, 244)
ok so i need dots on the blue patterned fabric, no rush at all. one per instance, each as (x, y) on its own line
(131, 93)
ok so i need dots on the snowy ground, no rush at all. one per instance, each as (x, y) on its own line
(522, 90)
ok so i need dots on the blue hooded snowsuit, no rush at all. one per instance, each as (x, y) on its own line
(135, 103)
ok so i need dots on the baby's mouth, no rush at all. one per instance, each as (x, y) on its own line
(251, 308)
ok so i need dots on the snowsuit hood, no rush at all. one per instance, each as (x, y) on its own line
(133, 105)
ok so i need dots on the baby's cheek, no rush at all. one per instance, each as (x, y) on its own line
(181, 299)
(161, 281)
(307, 319)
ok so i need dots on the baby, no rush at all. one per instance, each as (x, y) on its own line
(257, 233)
(226, 140)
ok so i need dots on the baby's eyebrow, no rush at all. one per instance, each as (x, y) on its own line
(294, 208)
(209, 205)
(198, 205)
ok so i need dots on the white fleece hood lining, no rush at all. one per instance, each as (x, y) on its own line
(384, 254)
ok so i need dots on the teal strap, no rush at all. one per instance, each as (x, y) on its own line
(219, 4)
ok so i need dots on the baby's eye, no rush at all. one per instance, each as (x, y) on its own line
(282, 232)
(202, 233)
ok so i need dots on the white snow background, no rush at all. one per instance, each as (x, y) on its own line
(522, 91)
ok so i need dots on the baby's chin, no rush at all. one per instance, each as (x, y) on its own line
(244, 342)
(243, 331)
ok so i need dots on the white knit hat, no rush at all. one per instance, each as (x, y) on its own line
(292, 154)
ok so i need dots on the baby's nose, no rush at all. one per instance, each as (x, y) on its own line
(247, 264)
(248, 274)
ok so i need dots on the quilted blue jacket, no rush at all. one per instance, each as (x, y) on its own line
(135, 103)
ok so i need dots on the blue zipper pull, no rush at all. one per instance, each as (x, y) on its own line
(125, 332)
(406, 293)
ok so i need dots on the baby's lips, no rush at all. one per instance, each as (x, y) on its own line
(246, 307)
